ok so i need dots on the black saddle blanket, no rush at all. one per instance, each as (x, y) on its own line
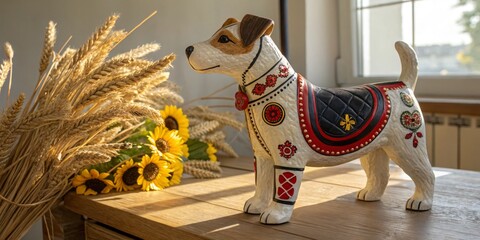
(342, 120)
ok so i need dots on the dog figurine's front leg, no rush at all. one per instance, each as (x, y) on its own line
(286, 187)
(263, 166)
(263, 185)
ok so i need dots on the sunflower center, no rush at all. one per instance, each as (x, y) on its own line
(150, 171)
(130, 176)
(171, 123)
(162, 145)
(95, 184)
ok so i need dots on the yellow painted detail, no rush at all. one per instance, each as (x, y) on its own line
(347, 123)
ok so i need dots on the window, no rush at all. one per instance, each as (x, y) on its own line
(444, 34)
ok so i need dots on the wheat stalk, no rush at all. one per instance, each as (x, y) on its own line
(205, 165)
(213, 137)
(104, 49)
(10, 115)
(93, 121)
(225, 147)
(197, 131)
(4, 69)
(95, 39)
(9, 54)
(76, 119)
(107, 136)
(204, 113)
(117, 85)
(108, 149)
(162, 97)
(41, 118)
(7, 47)
(49, 42)
(142, 110)
(106, 70)
(140, 51)
(153, 83)
(201, 170)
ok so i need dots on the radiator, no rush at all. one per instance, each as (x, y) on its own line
(453, 140)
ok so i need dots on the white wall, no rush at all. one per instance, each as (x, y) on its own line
(313, 39)
(321, 41)
(177, 24)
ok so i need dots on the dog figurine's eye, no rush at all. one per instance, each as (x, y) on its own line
(224, 39)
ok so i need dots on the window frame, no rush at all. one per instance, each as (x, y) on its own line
(453, 86)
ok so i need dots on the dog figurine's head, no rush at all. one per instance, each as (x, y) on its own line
(235, 48)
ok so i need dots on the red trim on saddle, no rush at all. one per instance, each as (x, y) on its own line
(326, 144)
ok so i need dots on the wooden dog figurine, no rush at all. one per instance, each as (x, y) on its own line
(293, 123)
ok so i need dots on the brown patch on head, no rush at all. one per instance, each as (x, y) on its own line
(229, 21)
(253, 27)
(226, 42)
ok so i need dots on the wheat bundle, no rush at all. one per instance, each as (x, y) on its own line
(83, 103)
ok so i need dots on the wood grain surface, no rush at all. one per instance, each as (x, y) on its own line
(326, 207)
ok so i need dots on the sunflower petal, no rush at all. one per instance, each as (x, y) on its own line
(104, 175)
(108, 182)
(146, 186)
(78, 180)
(86, 174)
(94, 173)
(107, 189)
(90, 192)
(81, 189)
(140, 179)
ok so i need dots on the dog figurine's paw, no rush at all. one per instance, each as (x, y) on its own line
(418, 204)
(276, 213)
(254, 206)
(369, 195)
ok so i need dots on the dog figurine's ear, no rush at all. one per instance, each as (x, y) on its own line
(229, 21)
(253, 27)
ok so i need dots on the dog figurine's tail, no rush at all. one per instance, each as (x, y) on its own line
(408, 58)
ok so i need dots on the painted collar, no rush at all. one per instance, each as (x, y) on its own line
(277, 78)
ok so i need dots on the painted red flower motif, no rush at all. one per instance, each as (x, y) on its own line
(287, 150)
(283, 71)
(414, 135)
(273, 114)
(411, 121)
(271, 80)
(259, 89)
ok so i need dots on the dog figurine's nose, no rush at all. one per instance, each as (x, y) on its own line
(189, 51)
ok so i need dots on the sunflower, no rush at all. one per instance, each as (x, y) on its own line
(176, 174)
(126, 176)
(211, 150)
(153, 172)
(92, 182)
(166, 143)
(176, 120)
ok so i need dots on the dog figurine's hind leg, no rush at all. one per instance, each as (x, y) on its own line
(293, 123)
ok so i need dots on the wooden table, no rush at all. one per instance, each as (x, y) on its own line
(326, 208)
